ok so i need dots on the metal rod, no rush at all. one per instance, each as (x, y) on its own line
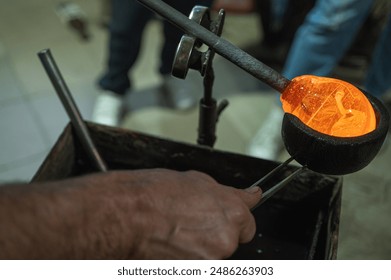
(270, 192)
(271, 173)
(221, 46)
(70, 106)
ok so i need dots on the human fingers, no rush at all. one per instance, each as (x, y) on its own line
(250, 196)
(242, 213)
(237, 206)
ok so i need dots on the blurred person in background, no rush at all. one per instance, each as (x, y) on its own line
(325, 36)
(278, 22)
(128, 21)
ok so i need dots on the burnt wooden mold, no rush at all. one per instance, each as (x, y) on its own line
(299, 222)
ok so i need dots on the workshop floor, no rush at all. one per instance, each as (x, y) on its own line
(32, 117)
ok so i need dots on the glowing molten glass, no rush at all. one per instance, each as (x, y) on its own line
(330, 106)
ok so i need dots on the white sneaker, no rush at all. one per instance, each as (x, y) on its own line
(108, 109)
(267, 142)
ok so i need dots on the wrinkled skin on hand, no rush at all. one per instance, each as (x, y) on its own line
(190, 215)
(142, 214)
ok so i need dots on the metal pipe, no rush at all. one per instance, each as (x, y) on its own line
(221, 46)
(70, 107)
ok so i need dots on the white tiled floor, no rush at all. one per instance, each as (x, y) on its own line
(31, 114)
(32, 117)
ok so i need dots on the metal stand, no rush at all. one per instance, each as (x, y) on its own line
(189, 56)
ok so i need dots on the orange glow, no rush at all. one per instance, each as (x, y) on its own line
(330, 106)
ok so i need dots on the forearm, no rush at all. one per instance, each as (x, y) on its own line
(72, 219)
(141, 214)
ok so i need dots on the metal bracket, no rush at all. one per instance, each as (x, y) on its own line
(188, 55)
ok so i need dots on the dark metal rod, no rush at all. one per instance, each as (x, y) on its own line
(223, 47)
(70, 106)
(270, 192)
(271, 173)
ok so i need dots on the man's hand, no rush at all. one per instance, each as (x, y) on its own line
(190, 215)
(141, 214)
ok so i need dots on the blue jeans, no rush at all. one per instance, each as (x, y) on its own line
(378, 80)
(324, 37)
(129, 19)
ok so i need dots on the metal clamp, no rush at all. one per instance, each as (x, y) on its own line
(190, 56)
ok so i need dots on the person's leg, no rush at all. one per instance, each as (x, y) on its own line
(271, 46)
(126, 29)
(324, 37)
(378, 80)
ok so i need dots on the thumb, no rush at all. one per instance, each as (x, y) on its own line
(251, 196)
